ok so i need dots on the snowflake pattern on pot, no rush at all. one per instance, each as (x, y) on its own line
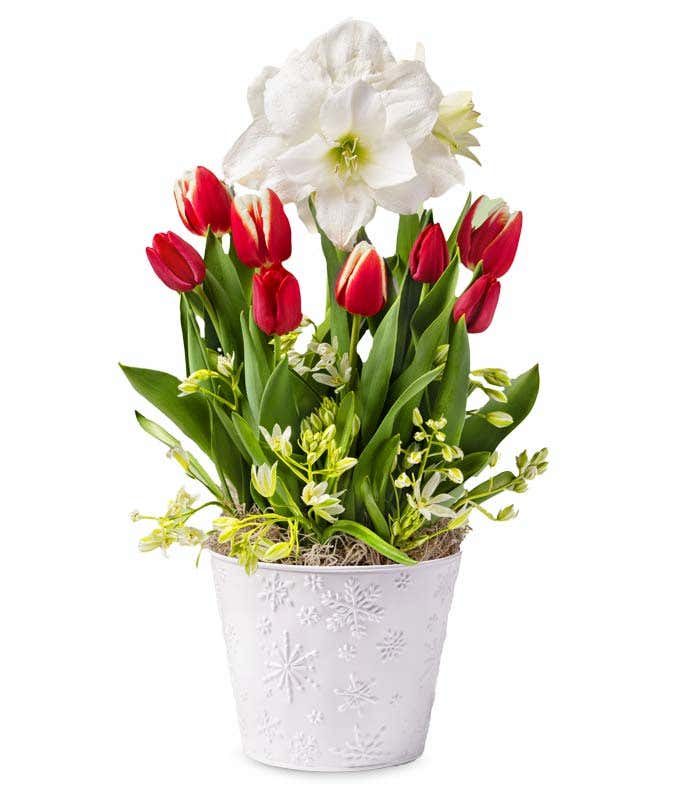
(401, 580)
(392, 645)
(356, 695)
(290, 668)
(433, 649)
(444, 588)
(363, 747)
(432, 622)
(347, 652)
(264, 626)
(268, 727)
(313, 582)
(315, 717)
(304, 749)
(275, 592)
(308, 616)
(353, 608)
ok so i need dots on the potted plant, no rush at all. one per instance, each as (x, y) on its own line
(342, 485)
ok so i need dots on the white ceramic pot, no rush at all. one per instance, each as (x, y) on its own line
(334, 668)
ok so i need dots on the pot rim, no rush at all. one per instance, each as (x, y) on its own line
(390, 568)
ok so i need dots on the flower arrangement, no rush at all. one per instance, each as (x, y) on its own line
(308, 440)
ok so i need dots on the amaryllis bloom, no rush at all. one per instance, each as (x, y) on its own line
(361, 286)
(344, 122)
(276, 300)
(478, 304)
(489, 234)
(203, 201)
(457, 117)
(176, 263)
(429, 256)
(260, 230)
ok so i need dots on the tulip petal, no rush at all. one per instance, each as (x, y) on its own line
(500, 254)
(276, 228)
(464, 239)
(165, 274)
(478, 304)
(190, 255)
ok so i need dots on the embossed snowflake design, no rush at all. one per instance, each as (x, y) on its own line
(290, 669)
(308, 616)
(313, 582)
(392, 645)
(264, 626)
(395, 699)
(444, 588)
(432, 622)
(304, 750)
(230, 638)
(433, 650)
(353, 608)
(268, 727)
(362, 747)
(357, 695)
(347, 652)
(275, 592)
(315, 717)
(402, 580)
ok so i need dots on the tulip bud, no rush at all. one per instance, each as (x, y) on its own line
(203, 201)
(478, 304)
(260, 230)
(361, 286)
(276, 300)
(176, 263)
(429, 256)
(489, 234)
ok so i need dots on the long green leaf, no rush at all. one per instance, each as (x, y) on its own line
(256, 370)
(373, 540)
(451, 396)
(189, 413)
(480, 436)
(407, 231)
(439, 298)
(376, 372)
(453, 237)
(223, 287)
(278, 403)
(375, 513)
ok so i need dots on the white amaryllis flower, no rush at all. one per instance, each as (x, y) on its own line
(346, 123)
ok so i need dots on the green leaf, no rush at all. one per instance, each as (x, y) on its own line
(255, 369)
(195, 469)
(454, 234)
(375, 513)
(344, 419)
(226, 454)
(473, 463)
(190, 412)
(409, 298)
(367, 457)
(451, 396)
(339, 319)
(376, 372)
(478, 435)
(440, 297)
(369, 537)
(278, 403)
(382, 469)
(407, 231)
(223, 287)
(249, 439)
(491, 487)
(195, 353)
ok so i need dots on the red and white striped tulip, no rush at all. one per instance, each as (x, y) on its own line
(176, 263)
(203, 202)
(429, 256)
(361, 286)
(276, 300)
(489, 234)
(478, 304)
(260, 230)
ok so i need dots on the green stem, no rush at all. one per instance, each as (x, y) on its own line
(210, 309)
(423, 292)
(353, 342)
(277, 349)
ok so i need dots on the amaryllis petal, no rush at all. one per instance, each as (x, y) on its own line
(341, 213)
(478, 304)
(390, 163)
(356, 108)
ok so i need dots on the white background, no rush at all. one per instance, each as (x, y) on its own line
(561, 667)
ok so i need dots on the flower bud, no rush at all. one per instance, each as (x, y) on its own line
(260, 230)
(203, 201)
(276, 300)
(489, 234)
(176, 263)
(498, 418)
(263, 479)
(361, 286)
(429, 256)
(478, 304)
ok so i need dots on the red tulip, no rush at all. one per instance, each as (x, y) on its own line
(260, 230)
(478, 304)
(361, 286)
(276, 300)
(203, 201)
(429, 256)
(489, 234)
(176, 263)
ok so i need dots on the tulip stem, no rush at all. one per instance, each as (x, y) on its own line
(210, 309)
(424, 291)
(353, 342)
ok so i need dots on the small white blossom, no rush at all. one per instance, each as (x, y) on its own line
(427, 503)
(278, 440)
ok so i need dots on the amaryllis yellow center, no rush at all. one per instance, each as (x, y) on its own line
(346, 156)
